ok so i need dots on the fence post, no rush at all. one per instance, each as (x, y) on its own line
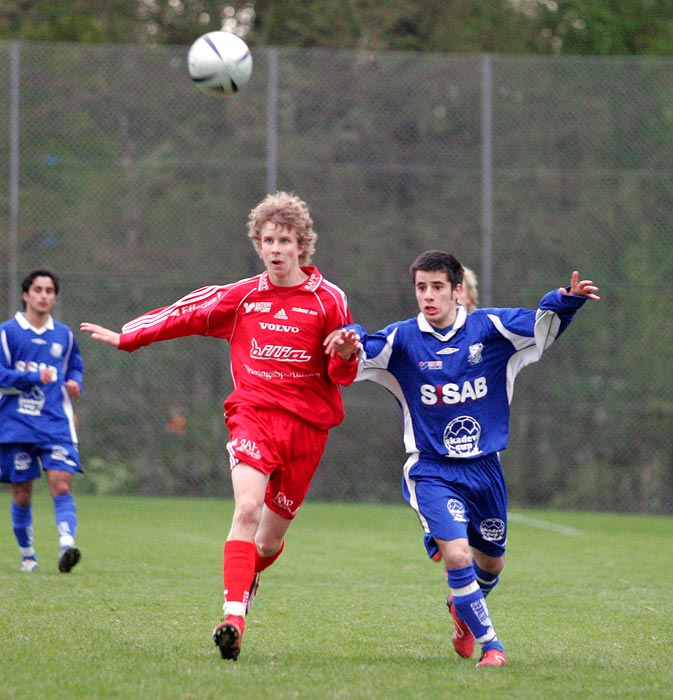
(487, 180)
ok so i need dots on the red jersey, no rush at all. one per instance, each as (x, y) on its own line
(276, 336)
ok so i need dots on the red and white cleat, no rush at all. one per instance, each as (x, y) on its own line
(493, 657)
(463, 639)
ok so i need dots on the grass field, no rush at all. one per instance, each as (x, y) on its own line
(353, 609)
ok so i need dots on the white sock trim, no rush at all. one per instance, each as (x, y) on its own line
(234, 608)
(465, 590)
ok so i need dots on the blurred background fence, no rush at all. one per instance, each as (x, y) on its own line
(117, 173)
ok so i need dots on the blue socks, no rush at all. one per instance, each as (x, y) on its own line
(470, 604)
(487, 581)
(22, 522)
(66, 519)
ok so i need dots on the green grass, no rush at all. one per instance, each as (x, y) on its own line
(353, 609)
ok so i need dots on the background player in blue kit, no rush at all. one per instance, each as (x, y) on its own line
(41, 370)
(452, 374)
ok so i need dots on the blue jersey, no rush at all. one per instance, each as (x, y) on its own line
(455, 385)
(32, 412)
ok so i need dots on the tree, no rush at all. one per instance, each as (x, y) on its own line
(600, 27)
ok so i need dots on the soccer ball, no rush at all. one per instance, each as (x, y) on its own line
(219, 63)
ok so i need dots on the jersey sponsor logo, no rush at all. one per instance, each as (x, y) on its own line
(32, 366)
(299, 310)
(450, 394)
(277, 374)
(475, 353)
(456, 509)
(278, 327)
(313, 281)
(31, 402)
(244, 446)
(431, 364)
(282, 353)
(282, 501)
(262, 307)
(195, 307)
(281, 315)
(492, 529)
(461, 437)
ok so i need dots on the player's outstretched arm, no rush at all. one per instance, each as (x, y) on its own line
(105, 335)
(580, 288)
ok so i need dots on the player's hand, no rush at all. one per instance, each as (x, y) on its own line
(581, 288)
(72, 387)
(105, 335)
(45, 376)
(343, 342)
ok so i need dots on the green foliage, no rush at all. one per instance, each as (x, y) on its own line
(591, 27)
(353, 609)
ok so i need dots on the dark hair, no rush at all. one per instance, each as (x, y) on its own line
(40, 272)
(438, 261)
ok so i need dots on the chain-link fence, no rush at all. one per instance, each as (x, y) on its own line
(136, 189)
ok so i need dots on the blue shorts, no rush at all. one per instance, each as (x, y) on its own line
(459, 499)
(21, 462)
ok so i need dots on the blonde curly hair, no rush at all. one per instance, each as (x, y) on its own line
(469, 296)
(288, 210)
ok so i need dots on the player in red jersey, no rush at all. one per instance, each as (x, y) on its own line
(285, 394)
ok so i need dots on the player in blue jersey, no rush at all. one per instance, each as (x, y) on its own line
(452, 374)
(41, 370)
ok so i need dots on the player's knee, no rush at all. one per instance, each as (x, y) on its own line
(267, 545)
(492, 565)
(21, 494)
(248, 512)
(455, 553)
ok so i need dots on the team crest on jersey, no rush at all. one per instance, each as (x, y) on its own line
(475, 353)
(56, 350)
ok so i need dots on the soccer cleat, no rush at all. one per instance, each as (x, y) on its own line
(29, 564)
(252, 592)
(493, 657)
(228, 635)
(67, 558)
(463, 639)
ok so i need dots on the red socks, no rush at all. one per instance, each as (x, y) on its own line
(241, 561)
(238, 570)
(262, 563)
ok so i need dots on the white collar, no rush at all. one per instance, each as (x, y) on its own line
(23, 322)
(426, 327)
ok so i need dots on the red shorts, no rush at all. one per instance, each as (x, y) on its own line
(281, 445)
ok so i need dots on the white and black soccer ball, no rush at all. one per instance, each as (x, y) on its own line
(219, 63)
